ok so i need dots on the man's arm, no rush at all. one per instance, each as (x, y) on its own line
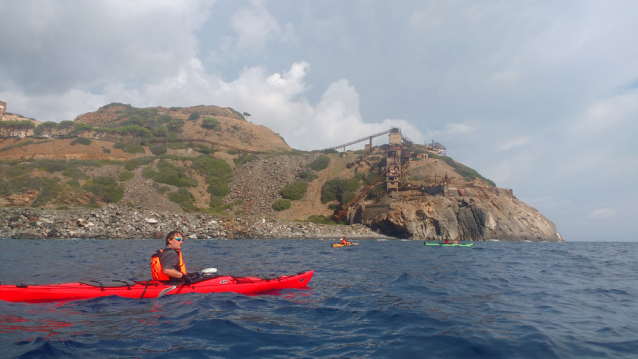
(173, 273)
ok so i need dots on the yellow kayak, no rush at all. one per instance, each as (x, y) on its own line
(334, 245)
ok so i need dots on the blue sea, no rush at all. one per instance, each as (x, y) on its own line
(380, 299)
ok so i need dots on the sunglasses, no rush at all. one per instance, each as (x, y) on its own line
(177, 239)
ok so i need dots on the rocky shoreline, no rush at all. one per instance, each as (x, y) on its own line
(117, 222)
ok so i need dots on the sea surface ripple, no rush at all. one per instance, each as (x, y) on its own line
(380, 299)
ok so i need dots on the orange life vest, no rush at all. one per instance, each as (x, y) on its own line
(156, 266)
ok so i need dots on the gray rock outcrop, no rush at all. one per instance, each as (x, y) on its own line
(466, 218)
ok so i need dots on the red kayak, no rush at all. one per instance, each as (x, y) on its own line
(202, 283)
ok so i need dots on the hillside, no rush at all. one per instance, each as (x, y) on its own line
(149, 159)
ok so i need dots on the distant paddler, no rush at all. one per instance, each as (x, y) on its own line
(344, 242)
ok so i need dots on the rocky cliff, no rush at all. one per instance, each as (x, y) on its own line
(493, 214)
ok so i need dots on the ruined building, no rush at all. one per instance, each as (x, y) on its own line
(3, 108)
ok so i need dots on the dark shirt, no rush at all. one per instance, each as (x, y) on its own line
(170, 259)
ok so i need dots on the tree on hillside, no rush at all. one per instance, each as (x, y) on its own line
(193, 116)
(65, 126)
(246, 115)
(137, 132)
(175, 126)
(47, 127)
(80, 128)
(160, 131)
(20, 126)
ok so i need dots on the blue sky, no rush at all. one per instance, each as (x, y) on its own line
(539, 96)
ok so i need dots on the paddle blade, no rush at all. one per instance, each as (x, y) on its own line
(165, 291)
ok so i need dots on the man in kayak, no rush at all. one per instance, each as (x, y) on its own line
(168, 265)
(345, 242)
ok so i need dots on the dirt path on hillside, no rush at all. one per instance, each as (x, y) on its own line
(311, 203)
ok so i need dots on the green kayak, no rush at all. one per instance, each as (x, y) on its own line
(449, 244)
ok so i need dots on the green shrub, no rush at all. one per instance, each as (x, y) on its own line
(331, 151)
(81, 140)
(173, 175)
(49, 190)
(374, 191)
(125, 176)
(158, 149)
(193, 116)
(74, 173)
(134, 163)
(232, 152)
(106, 150)
(243, 158)
(163, 189)
(308, 175)
(129, 148)
(218, 187)
(339, 189)
(184, 198)
(129, 204)
(281, 204)
(294, 191)
(10, 171)
(50, 165)
(321, 163)
(467, 173)
(105, 187)
(177, 145)
(148, 172)
(321, 220)
(209, 123)
(62, 208)
(162, 119)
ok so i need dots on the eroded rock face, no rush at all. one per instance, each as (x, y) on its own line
(500, 217)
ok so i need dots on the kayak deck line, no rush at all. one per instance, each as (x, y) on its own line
(207, 283)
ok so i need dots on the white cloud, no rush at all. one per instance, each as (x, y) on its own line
(603, 213)
(605, 114)
(454, 129)
(274, 100)
(56, 46)
(508, 145)
(255, 27)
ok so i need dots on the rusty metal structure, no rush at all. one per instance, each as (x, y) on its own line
(397, 160)
(367, 138)
(342, 213)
